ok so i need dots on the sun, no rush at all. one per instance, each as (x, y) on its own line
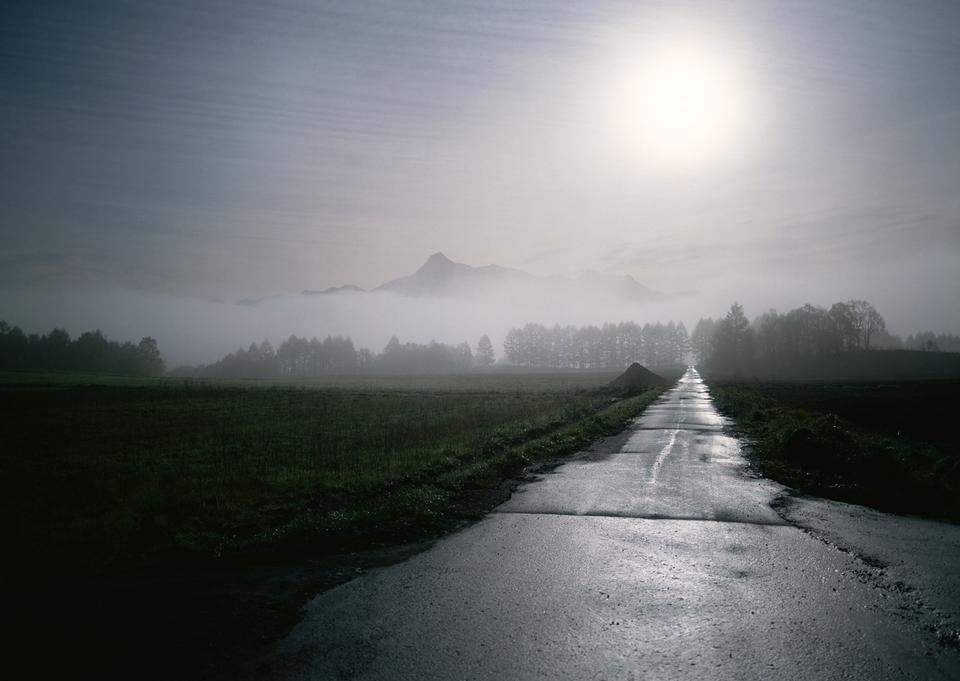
(683, 104)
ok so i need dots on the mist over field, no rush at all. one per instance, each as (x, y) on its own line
(197, 331)
(500, 339)
(158, 159)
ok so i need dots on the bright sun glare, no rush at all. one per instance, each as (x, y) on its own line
(683, 105)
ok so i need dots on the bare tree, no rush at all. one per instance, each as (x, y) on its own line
(866, 320)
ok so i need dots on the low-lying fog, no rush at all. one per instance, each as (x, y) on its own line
(194, 331)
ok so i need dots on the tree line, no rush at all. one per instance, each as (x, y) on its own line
(611, 346)
(772, 340)
(928, 341)
(731, 344)
(294, 358)
(90, 352)
(310, 358)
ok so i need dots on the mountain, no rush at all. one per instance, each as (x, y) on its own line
(440, 277)
(621, 286)
(334, 289)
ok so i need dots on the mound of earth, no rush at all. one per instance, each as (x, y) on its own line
(637, 376)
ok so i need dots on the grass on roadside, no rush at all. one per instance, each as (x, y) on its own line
(845, 457)
(94, 476)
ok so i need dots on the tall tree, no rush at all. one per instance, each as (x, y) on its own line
(845, 324)
(151, 361)
(485, 357)
(701, 340)
(866, 320)
(733, 342)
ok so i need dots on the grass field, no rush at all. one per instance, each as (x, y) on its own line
(100, 473)
(892, 446)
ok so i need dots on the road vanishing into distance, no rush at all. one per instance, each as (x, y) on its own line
(653, 555)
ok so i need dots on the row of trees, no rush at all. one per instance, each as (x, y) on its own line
(90, 352)
(730, 344)
(805, 331)
(415, 358)
(929, 341)
(303, 358)
(734, 344)
(296, 357)
(612, 346)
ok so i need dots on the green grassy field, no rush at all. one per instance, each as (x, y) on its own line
(102, 473)
(892, 446)
(495, 381)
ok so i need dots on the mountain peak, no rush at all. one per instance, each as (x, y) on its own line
(438, 257)
(441, 277)
(439, 264)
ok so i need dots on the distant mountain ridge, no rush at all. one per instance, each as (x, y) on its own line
(440, 277)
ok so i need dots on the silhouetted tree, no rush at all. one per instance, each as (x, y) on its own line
(485, 357)
(701, 341)
(866, 320)
(733, 342)
(845, 325)
(150, 358)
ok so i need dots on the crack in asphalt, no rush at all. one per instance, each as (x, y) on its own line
(665, 452)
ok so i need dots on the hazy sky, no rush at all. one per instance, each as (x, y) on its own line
(233, 149)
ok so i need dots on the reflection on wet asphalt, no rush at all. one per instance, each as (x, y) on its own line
(658, 559)
(678, 463)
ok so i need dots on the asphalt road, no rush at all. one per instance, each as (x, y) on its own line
(653, 556)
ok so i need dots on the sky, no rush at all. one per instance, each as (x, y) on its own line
(168, 154)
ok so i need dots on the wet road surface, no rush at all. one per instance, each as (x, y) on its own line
(654, 556)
